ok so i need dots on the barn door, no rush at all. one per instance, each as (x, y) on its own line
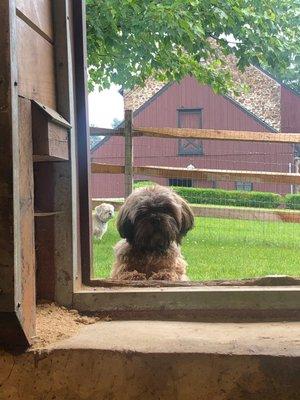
(190, 118)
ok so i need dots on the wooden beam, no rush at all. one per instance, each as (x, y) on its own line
(37, 14)
(202, 174)
(9, 130)
(97, 168)
(128, 153)
(44, 158)
(210, 134)
(220, 175)
(61, 256)
(83, 141)
(218, 135)
(94, 131)
(17, 293)
(41, 214)
(28, 269)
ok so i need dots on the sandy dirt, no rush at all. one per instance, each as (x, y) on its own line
(54, 323)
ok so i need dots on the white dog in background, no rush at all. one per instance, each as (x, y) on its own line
(100, 217)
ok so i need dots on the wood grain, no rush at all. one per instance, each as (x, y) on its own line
(94, 131)
(51, 114)
(97, 168)
(27, 218)
(189, 133)
(36, 66)
(50, 134)
(8, 129)
(218, 134)
(82, 136)
(38, 14)
(58, 141)
(202, 174)
(220, 175)
(45, 257)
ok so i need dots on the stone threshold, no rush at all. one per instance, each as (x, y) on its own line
(153, 360)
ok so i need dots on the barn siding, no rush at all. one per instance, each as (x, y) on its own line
(218, 113)
(290, 111)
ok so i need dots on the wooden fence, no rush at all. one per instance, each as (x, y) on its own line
(129, 170)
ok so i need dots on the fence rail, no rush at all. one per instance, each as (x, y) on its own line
(209, 134)
(201, 174)
(184, 173)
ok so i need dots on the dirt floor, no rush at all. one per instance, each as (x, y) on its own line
(54, 323)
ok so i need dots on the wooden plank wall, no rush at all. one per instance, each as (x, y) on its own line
(36, 60)
(8, 128)
(37, 13)
(34, 66)
(17, 276)
(66, 240)
(45, 75)
(36, 81)
(26, 219)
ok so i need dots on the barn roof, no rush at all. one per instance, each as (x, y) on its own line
(261, 101)
(262, 98)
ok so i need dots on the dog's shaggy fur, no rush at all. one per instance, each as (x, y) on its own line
(100, 217)
(152, 221)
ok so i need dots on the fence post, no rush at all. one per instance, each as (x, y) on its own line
(128, 153)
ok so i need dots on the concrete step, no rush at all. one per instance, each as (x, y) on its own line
(161, 360)
(273, 338)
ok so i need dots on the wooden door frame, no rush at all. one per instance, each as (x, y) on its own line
(17, 289)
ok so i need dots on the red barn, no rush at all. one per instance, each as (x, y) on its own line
(267, 106)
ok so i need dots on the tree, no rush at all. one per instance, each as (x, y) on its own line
(131, 40)
(115, 122)
(291, 75)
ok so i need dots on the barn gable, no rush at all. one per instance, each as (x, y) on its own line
(262, 99)
(162, 110)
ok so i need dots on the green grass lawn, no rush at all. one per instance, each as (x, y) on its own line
(225, 249)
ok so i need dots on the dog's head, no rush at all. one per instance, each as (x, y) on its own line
(153, 217)
(105, 212)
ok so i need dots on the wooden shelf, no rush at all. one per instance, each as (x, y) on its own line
(50, 134)
(46, 158)
(39, 214)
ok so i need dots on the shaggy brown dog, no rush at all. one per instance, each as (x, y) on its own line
(152, 221)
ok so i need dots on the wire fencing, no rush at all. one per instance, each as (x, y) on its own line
(243, 188)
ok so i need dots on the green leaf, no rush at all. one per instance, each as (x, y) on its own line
(131, 40)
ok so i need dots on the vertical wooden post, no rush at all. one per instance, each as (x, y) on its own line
(128, 153)
(17, 285)
(64, 224)
(83, 139)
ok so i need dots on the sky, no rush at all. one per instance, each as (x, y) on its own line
(105, 106)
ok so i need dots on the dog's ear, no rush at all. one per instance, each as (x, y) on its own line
(187, 221)
(98, 210)
(124, 225)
